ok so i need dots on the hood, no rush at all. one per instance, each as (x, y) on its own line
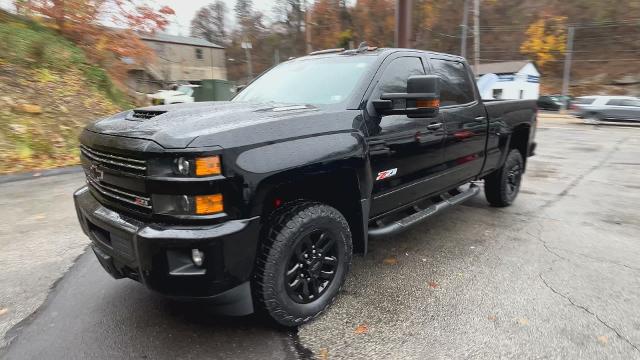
(224, 124)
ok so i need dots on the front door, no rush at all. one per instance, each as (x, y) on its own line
(405, 152)
(465, 121)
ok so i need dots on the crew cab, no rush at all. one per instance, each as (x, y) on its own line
(259, 203)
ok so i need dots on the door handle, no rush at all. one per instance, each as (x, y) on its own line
(434, 126)
(480, 118)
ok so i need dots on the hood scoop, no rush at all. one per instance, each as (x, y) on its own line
(138, 115)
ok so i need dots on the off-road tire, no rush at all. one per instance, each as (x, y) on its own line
(497, 186)
(285, 227)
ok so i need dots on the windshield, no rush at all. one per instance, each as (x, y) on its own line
(187, 90)
(320, 81)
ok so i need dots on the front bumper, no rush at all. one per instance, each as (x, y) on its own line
(159, 255)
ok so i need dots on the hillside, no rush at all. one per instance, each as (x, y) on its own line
(48, 92)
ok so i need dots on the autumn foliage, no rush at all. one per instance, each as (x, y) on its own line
(546, 40)
(85, 23)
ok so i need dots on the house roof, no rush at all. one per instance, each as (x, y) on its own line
(166, 38)
(506, 67)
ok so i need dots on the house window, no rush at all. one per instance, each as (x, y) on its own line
(497, 94)
(199, 54)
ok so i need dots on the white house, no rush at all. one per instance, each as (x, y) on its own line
(514, 80)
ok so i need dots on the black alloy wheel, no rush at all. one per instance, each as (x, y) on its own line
(312, 266)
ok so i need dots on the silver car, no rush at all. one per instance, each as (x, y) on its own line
(595, 109)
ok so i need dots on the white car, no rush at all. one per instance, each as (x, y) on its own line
(183, 94)
(596, 109)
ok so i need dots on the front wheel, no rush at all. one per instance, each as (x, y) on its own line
(502, 186)
(303, 263)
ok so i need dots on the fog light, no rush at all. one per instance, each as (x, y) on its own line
(197, 256)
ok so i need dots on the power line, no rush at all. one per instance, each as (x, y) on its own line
(558, 60)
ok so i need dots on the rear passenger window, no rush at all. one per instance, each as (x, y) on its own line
(455, 85)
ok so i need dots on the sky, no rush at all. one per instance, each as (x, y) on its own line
(185, 9)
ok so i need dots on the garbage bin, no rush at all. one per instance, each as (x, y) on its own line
(214, 90)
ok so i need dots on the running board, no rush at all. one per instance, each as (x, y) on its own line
(405, 223)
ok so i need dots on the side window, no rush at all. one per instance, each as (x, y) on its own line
(456, 87)
(614, 102)
(199, 54)
(394, 78)
(629, 102)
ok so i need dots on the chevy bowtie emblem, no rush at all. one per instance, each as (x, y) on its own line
(95, 173)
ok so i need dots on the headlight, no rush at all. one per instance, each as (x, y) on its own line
(187, 204)
(186, 166)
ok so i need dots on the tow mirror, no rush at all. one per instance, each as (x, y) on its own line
(422, 99)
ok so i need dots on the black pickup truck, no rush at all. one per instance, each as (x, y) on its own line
(259, 203)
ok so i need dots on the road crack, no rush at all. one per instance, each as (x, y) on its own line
(585, 309)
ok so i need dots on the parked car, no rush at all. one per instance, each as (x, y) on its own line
(595, 109)
(182, 94)
(553, 102)
(260, 202)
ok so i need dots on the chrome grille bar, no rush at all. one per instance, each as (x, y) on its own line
(135, 164)
(119, 194)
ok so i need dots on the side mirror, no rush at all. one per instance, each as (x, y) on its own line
(422, 99)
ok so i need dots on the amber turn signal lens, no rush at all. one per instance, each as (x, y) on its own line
(431, 103)
(209, 165)
(209, 204)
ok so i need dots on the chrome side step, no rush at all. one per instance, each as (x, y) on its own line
(404, 223)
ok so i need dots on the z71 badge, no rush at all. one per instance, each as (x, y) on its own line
(386, 174)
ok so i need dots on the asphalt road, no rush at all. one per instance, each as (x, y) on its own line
(554, 276)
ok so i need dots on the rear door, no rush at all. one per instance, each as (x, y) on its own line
(465, 120)
(405, 152)
(630, 109)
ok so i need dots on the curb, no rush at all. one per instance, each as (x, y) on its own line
(4, 179)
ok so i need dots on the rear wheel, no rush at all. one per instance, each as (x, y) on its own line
(304, 261)
(502, 186)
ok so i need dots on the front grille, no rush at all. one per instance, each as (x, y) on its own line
(137, 201)
(116, 162)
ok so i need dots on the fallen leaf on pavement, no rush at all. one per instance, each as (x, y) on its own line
(523, 321)
(362, 329)
(3, 311)
(603, 339)
(433, 284)
(492, 317)
(391, 260)
(324, 354)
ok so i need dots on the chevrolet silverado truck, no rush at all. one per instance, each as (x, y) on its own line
(258, 203)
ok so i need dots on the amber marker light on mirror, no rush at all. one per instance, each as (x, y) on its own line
(431, 103)
(209, 204)
(209, 165)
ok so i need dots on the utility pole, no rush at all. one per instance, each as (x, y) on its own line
(464, 28)
(246, 45)
(476, 36)
(403, 23)
(307, 27)
(566, 76)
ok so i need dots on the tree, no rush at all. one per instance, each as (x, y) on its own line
(546, 39)
(81, 22)
(209, 23)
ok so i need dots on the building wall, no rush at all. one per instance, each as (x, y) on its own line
(525, 84)
(178, 62)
